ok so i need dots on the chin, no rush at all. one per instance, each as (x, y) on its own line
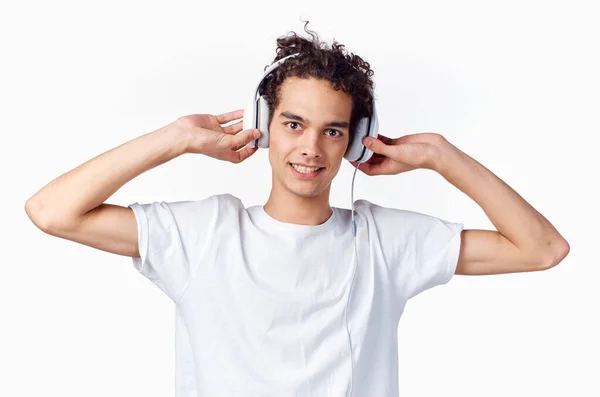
(313, 191)
(308, 194)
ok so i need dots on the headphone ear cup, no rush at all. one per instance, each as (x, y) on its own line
(263, 122)
(367, 126)
(250, 120)
(355, 146)
(373, 132)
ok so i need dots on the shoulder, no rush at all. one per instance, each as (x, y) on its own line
(399, 219)
(221, 206)
(382, 213)
(183, 210)
(228, 199)
(228, 204)
(215, 202)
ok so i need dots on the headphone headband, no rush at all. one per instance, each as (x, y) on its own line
(256, 115)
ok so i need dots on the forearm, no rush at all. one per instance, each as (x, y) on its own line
(512, 216)
(71, 195)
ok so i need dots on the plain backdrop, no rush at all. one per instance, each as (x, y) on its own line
(514, 84)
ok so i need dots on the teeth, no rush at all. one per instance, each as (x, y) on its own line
(304, 170)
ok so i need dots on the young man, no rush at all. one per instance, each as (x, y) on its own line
(276, 300)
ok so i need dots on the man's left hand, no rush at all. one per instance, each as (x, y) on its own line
(409, 152)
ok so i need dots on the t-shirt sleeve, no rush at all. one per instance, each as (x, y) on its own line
(432, 257)
(171, 238)
(420, 250)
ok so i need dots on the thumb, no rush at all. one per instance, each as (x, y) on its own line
(245, 137)
(377, 146)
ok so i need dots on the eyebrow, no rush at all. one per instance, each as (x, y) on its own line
(292, 116)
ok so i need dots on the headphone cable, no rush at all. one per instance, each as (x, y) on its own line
(352, 282)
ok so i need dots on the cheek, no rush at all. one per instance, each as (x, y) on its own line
(277, 155)
(279, 148)
(338, 153)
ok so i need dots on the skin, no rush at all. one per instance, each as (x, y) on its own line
(312, 142)
(524, 240)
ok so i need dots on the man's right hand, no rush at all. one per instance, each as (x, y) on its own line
(207, 136)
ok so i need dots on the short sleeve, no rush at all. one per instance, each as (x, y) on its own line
(171, 239)
(420, 250)
(431, 257)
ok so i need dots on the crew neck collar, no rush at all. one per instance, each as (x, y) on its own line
(294, 227)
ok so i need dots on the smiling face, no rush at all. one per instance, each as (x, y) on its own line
(309, 127)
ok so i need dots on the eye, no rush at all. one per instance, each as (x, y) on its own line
(336, 131)
(292, 122)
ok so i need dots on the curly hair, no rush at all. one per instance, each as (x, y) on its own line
(346, 72)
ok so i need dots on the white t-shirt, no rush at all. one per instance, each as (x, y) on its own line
(261, 304)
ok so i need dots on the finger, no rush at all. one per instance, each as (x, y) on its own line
(238, 147)
(241, 139)
(246, 136)
(385, 139)
(225, 118)
(377, 146)
(366, 168)
(233, 128)
(241, 155)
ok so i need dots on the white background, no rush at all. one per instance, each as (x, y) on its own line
(514, 84)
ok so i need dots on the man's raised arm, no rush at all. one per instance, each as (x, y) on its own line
(72, 206)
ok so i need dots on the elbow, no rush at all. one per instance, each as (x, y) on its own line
(33, 209)
(558, 251)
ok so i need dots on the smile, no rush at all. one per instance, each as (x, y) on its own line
(305, 172)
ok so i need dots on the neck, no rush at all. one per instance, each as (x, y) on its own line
(285, 206)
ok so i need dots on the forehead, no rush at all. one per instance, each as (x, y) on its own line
(314, 98)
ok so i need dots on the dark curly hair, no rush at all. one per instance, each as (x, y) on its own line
(347, 72)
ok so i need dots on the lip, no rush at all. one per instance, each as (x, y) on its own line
(304, 165)
(304, 176)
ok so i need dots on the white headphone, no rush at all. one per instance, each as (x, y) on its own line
(256, 115)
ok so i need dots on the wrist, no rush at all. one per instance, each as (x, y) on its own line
(446, 154)
(180, 138)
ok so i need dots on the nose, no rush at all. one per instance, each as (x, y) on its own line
(310, 144)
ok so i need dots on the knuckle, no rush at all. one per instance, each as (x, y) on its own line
(438, 138)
